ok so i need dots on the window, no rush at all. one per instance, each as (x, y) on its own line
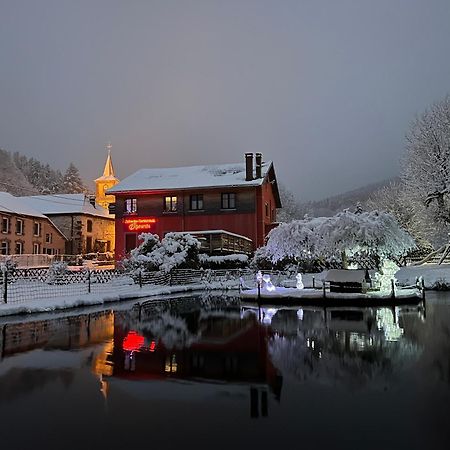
(36, 249)
(37, 229)
(19, 226)
(228, 200)
(48, 238)
(5, 224)
(196, 202)
(170, 204)
(89, 226)
(19, 248)
(130, 206)
(4, 248)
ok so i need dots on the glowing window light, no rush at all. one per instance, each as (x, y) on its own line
(171, 364)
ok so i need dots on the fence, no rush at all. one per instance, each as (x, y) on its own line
(21, 285)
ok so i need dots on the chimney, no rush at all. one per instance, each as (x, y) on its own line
(248, 166)
(92, 200)
(258, 165)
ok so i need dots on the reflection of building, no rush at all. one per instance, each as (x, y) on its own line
(62, 333)
(239, 199)
(227, 349)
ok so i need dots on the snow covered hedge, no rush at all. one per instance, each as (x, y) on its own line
(335, 238)
(235, 261)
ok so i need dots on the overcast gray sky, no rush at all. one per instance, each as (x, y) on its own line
(325, 88)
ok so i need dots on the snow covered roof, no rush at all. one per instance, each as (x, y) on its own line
(65, 204)
(345, 275)
(189, 177)
(16, 205)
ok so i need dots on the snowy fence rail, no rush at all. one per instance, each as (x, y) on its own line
(21, 285)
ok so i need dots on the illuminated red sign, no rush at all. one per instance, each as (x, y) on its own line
(133, 341)
(139, 223)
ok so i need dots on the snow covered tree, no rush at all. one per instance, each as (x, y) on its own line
(426, 172)
(72, 183)
(336, 238)
(291, 208)
(176, 250)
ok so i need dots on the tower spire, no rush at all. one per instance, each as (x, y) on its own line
(108, 171)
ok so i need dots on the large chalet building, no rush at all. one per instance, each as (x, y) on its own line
(235, 202)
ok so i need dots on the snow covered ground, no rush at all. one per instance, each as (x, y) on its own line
(67, 302)
(434, 276)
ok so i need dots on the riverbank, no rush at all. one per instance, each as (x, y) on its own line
(435, 277)
(80, 300)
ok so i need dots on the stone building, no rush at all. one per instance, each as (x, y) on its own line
(87, 226)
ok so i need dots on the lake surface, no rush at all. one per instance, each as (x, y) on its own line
(206, 373)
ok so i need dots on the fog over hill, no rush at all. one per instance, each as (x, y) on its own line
(332, 205)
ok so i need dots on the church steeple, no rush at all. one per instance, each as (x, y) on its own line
(105, 182)
(108, 171)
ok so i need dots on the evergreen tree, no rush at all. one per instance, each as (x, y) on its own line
(72, 183)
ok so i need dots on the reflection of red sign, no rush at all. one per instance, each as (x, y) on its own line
(139, 224)
(133, 341)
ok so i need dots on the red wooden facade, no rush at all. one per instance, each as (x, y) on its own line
(247, 209)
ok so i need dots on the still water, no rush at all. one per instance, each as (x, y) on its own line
(207, 372)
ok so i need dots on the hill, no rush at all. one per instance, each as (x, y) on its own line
(332, 205)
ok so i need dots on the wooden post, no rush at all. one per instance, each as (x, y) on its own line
(314, 282)
(392, 288)
(324, 289)
(89, 281)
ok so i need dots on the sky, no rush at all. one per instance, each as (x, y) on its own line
(326, 89)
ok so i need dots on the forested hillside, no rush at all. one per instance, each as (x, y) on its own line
(20, 175)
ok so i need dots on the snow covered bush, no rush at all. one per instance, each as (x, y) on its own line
(336, 238)
(7, 265)
(175, 250)
(179, 250)
(234, 261)
(55, 272)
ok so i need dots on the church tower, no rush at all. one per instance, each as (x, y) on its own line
(105, 182)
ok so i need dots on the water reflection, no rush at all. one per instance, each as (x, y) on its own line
(201, 345)
(208, 360)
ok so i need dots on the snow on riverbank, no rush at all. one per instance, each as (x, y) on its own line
(75, 301)
(434, 276)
